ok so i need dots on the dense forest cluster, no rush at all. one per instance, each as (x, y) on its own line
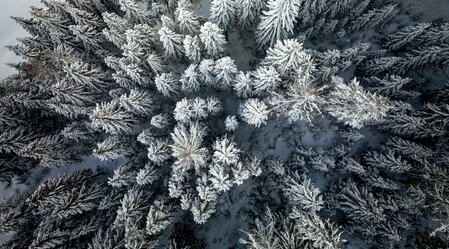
(260, 124)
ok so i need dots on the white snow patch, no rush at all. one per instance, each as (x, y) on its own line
(203, 8)
(10, 31)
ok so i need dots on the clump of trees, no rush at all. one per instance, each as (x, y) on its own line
(161, 89)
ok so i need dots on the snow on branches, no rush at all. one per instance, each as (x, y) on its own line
(213, 39)
(254, 112)
(159, 93)
(277, 21)
(350, 104)
(187, 145)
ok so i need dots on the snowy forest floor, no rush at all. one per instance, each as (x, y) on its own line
(10, 31)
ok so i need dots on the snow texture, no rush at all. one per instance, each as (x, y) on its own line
(248, 122)
(10, 31)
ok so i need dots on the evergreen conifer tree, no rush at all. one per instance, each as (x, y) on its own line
(277, 21)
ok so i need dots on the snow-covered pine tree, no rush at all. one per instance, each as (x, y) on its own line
(243, 84)
(225, 151)
(321, 232)
(223, 12)
(89, 36)
(113, 118)
(140, 41)
(158, 151)
(117, 26)
(190, 80)
(88, 75)
(389, 85)
(213, 39)
(139, 102)
(405, 36)
(161, 121)
(372, 215)
(50, 150)
(187, 110)
(112, 148)
(248, 12)
(135, 73)
(220, 177)
(77, 201)
(363, 205)
(301, 101)
(432, 57)
(207, 71)
(192, 48)
(374, 18)
(360, 7)
(305, 230)
(167, 84)
(187, 145)
(131, 207)
(254, 112)
(185, 18)
(172, 42)
(381, 65)
(205, 188)
(155, 63)
(225, 71)
(58, 200)
(355, 107)
(410, 125)
(302, 194)
(70, 100)
(434, 35)
(288, 56)
(147, 175)
(136, 11)
(277, 21)
(69, 86)
(264, 234)
(387, 161)
(161, 214)
(266, 80)
(407, 148)
(202, 210)
(123, 176)
(231, 123)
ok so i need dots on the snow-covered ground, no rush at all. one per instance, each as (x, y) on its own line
(429, 10)
(10, 31)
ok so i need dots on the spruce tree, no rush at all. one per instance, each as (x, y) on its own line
(171, 41)
(185, 18)
(213, 39)
(248, 12)
(405, 36)
(223, 12)
(277, 21)
(366, 108)
(254, 112)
